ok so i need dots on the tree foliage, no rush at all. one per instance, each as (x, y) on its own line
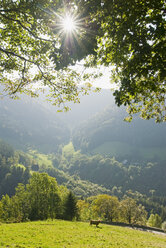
(70, 207)
(40, 199)
(132, 39)
(131, 212)
(44, 196)
(164, 226)
(107, 207)
(34, 53)
(129, 35)
(154, 220)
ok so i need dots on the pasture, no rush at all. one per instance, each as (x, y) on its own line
(64, 234)
(116, 148)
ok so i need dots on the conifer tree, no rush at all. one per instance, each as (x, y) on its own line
(70, 207)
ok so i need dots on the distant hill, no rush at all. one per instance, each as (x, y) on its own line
(35, 123)
(106, 133)
(89, 106)
(29, 123)
(95, 126)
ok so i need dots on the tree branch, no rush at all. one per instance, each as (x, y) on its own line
(16, 55)
(22, 83)
(9, 10)
(27, 29)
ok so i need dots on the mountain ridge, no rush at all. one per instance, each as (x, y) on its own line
(95, 126)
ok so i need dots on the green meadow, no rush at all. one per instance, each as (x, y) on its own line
(64, 234)
(115, 148)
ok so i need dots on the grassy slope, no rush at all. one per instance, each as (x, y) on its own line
(60, 234)
(113, 148)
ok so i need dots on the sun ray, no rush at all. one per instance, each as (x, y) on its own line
(68, 24)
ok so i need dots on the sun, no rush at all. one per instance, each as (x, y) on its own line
(69, 24)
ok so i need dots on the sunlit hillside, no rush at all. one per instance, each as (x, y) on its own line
(95, 126)
(75, 234)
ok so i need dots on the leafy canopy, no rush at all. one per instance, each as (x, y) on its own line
(35, 52)
(128, 35)
(132, 39)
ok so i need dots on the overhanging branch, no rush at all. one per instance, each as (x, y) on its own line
(27, 29)
(16, 55)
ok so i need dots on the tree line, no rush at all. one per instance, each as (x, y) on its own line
(110, 209)
(42, 198)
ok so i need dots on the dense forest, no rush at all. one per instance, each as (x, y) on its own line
(16, 167)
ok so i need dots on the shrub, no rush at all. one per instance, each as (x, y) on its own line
(154, 221)
(164, 226)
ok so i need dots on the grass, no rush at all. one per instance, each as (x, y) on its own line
(113, 148)
(64, 234)
(124, 149)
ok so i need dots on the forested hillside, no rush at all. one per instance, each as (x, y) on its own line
(106, 133)
(90, 149)
(29, 123)
(115, 176)
(17, 167)
(86, 176)
(14, 169)
(95, 126)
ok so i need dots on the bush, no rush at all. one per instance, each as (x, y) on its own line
(154, 221)
(164, 226)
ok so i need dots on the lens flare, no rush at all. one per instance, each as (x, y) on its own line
(69, 24)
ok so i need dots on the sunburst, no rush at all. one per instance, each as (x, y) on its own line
(69, 24)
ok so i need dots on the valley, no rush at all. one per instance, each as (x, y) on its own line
(90, 149)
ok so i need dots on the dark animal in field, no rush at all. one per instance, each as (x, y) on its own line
(95, 222)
